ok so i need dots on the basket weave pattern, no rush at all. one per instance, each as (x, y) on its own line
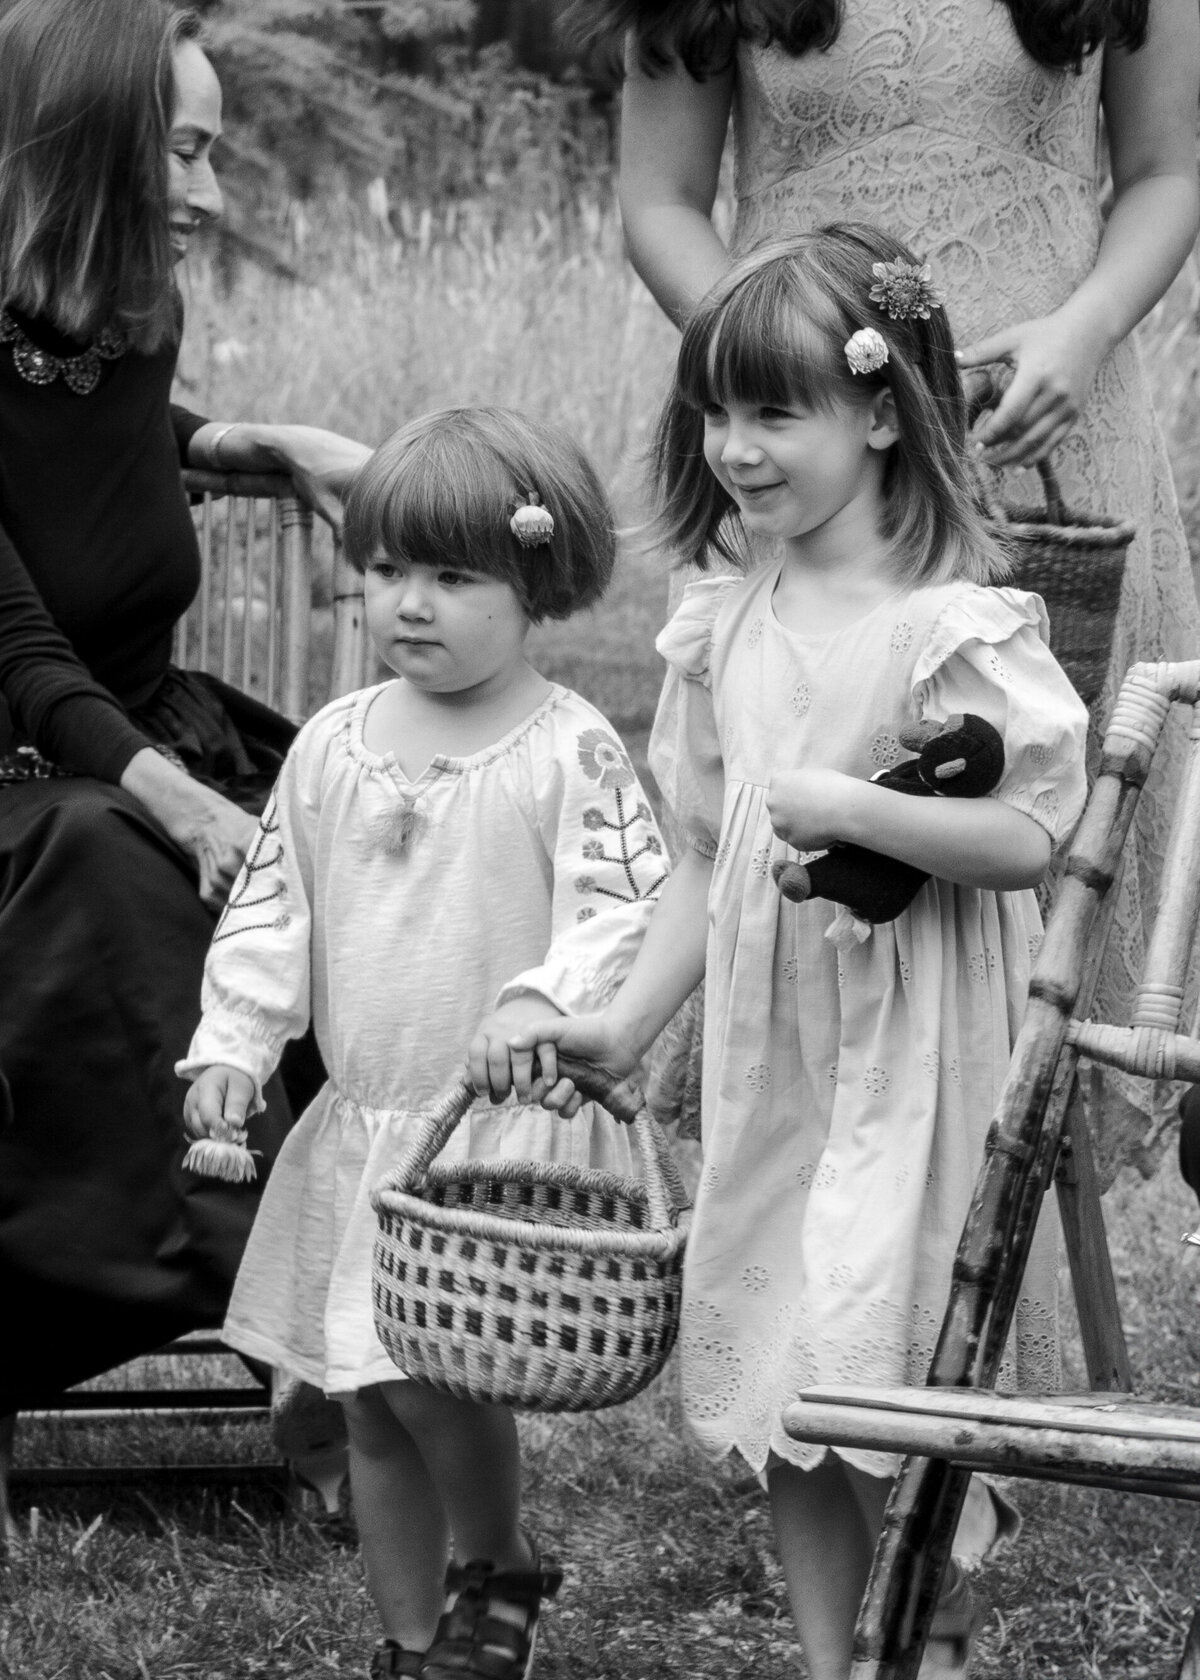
(1074, 561)
(536, 1285)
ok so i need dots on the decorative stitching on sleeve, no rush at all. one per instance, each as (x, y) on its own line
(256, 862)
(604, 760)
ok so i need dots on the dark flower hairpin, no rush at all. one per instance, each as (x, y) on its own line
(904, 291)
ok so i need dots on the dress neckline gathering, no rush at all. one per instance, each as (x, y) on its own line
(441, 763)
(842, 630)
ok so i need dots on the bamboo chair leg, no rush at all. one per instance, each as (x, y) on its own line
(1189, 1666)
(1021, 1153)
(8, 1525)
(1100, 1327)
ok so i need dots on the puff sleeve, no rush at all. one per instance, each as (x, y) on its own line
(256, 989)
(685, 746)
(608, 865)
(988, 652)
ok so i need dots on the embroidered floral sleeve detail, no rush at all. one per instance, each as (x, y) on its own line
(609, 865)
(604, 760)
(256, 989)
(260, 882)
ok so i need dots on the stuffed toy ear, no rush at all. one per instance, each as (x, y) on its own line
(963, 758)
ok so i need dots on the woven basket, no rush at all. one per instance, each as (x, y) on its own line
(531, 1284)
(1074, 561)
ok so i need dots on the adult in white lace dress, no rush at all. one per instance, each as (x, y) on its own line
(979, 148)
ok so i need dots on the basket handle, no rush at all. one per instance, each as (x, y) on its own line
(983, 392)
(664, 1187)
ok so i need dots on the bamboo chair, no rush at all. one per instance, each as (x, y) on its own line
(264, 600)
(284, 622)
(957, 1424)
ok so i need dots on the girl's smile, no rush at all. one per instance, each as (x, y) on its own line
(795, 471)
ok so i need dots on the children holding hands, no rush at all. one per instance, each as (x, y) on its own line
(447, 856)
(461, 857)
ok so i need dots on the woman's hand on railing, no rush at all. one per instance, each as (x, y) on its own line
(212, 830)
(319, 463)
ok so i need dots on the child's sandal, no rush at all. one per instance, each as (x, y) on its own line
(473, 1644)
(389, 1659)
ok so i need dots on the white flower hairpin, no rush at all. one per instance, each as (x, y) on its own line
(532, 524)
(866, 351)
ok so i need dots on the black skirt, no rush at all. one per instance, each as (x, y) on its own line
(107, 1248)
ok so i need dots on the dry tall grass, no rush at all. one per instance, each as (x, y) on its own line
(421, 310)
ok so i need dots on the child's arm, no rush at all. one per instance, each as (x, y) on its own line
(667, 968)
(256, 989)
(973, 842)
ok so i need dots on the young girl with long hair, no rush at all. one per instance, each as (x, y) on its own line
(848, 1076)
(430, 838)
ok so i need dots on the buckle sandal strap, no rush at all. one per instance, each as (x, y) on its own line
(389, 1660)
(472, 1643)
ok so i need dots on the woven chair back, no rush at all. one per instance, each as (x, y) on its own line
(279, 612)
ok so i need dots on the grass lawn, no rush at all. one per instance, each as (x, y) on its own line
(669, 1564)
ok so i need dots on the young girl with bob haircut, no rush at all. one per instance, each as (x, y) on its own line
(849, 1072)
(429, 839)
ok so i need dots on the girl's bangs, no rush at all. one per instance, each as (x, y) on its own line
(757, 350)
(444, 506)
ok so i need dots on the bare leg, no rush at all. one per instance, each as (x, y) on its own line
(8, 1526)
(401, 1522)
(826, 1524)
(474, 1462)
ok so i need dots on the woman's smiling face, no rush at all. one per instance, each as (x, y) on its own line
(193, 195)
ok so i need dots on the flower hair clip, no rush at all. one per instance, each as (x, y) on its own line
(532, 524)
(904, 291)
(866, 350)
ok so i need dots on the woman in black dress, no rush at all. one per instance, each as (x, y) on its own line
(127, 788)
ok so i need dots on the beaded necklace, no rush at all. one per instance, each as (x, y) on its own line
(81, 373)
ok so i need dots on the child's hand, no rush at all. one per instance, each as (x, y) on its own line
(218, 1101)
(495, 1067)
(808, 808)
(597, 1039)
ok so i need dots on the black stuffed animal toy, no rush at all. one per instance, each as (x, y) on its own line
(964, 758)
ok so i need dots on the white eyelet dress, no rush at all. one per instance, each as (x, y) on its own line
(847, 1092)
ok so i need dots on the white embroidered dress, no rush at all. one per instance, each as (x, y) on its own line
(846, 1094)
(536, 859)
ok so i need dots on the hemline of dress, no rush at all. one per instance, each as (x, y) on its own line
(284, 1359)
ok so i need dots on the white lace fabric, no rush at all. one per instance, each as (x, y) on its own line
(930, 119)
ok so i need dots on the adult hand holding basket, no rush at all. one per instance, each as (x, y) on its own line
(1074, 561)
(532, 1284)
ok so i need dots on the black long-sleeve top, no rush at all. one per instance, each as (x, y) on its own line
(98, 554)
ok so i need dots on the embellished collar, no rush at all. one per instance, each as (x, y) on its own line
(80, 373)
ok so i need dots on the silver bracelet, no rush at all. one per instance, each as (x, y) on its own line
(214, 447)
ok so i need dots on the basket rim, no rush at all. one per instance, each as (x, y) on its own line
(658, 1243)
(1079, 529)
(564, 1175)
